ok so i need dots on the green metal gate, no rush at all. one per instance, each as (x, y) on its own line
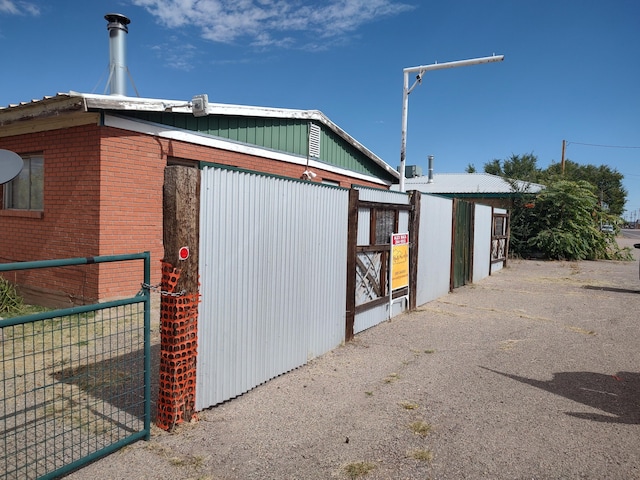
(75, 383)
(462, 254)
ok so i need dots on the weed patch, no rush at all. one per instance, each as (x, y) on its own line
(392, 377)
(409, 405)
(10, 301)
(421, 454)
(420, 428)
(358, 469)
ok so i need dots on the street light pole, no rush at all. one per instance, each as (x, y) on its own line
(420, 70)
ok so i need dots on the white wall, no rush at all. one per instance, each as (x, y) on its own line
(434, 258)
(481, 242)
(273, 261)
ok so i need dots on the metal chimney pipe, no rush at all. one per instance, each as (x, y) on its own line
(430, 180)
(117, 27)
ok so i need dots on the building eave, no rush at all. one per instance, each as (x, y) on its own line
(75, 101)
(46, 107)
(111, 102)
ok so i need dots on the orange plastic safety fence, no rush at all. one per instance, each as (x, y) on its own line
(178, 353)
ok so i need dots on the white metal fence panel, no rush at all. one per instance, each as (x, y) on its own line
(374, 316)
(434, 256)
(273, 275)
(497, 266)
(382, 196)
(483, 220)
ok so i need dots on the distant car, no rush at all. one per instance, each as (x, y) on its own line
(607, 228)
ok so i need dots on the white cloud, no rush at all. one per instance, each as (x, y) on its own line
(266, 23)
(176, 55)
(13, 7)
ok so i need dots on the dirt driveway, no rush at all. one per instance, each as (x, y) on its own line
(533, 373)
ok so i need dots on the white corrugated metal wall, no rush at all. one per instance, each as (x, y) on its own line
(483, 219)
(273, 256)
(374, 316)
(434, 255)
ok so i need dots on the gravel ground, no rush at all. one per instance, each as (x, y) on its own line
(533, 373)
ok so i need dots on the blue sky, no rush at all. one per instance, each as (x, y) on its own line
(571, 69)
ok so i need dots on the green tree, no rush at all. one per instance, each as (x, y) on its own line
(564, 222)
(494, 167)
(516, 167)
(471, 168)
(606, 181)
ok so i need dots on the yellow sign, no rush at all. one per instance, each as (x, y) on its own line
(399, 260)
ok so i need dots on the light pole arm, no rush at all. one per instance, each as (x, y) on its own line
(420, 70)
(460, 63)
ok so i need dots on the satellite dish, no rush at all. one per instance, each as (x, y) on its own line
(10, 165)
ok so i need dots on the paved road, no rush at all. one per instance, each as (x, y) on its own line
(631, 233)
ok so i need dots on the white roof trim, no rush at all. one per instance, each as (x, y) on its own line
(119, 102)
(87, 101)
(162, 131)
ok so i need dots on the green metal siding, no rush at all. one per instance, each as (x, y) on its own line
(281, 134)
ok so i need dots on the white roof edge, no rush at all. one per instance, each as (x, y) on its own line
(120, 102)
(443, 183)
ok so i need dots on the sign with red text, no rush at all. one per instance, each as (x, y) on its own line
(399, 260)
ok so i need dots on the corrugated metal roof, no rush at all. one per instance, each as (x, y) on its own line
(468, 183)
(120, 102)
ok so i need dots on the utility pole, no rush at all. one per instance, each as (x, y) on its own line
(564, 146)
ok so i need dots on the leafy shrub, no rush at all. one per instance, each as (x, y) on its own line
(562, 223)
(10, 301)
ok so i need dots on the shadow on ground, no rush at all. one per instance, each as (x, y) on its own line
(615, 394)
(118, 381)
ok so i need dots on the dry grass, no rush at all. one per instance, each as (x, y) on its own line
(420, 428)
(358, 469)
(508, 345)
(421, 454)
(581, 331)
(392, 377)
(63, 364)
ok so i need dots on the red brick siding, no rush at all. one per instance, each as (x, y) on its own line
(68, 227)
(103, 196)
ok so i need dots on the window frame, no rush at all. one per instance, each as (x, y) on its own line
(8, 202)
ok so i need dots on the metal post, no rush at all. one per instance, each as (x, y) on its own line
(147, 347)
(420, 70)
(405, 109)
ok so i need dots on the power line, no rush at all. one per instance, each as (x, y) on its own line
(598, 145)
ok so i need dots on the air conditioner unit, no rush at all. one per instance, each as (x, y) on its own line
(413, 171)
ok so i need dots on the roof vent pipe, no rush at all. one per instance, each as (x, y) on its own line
(430, 180)
(117, 27)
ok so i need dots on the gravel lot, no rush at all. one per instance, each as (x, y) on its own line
(533, 373)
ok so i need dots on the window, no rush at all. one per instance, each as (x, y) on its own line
(26, 191)
(498, 226)
(384, 224)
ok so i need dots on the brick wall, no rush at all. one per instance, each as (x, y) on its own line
(103, 196)
(68, 225)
